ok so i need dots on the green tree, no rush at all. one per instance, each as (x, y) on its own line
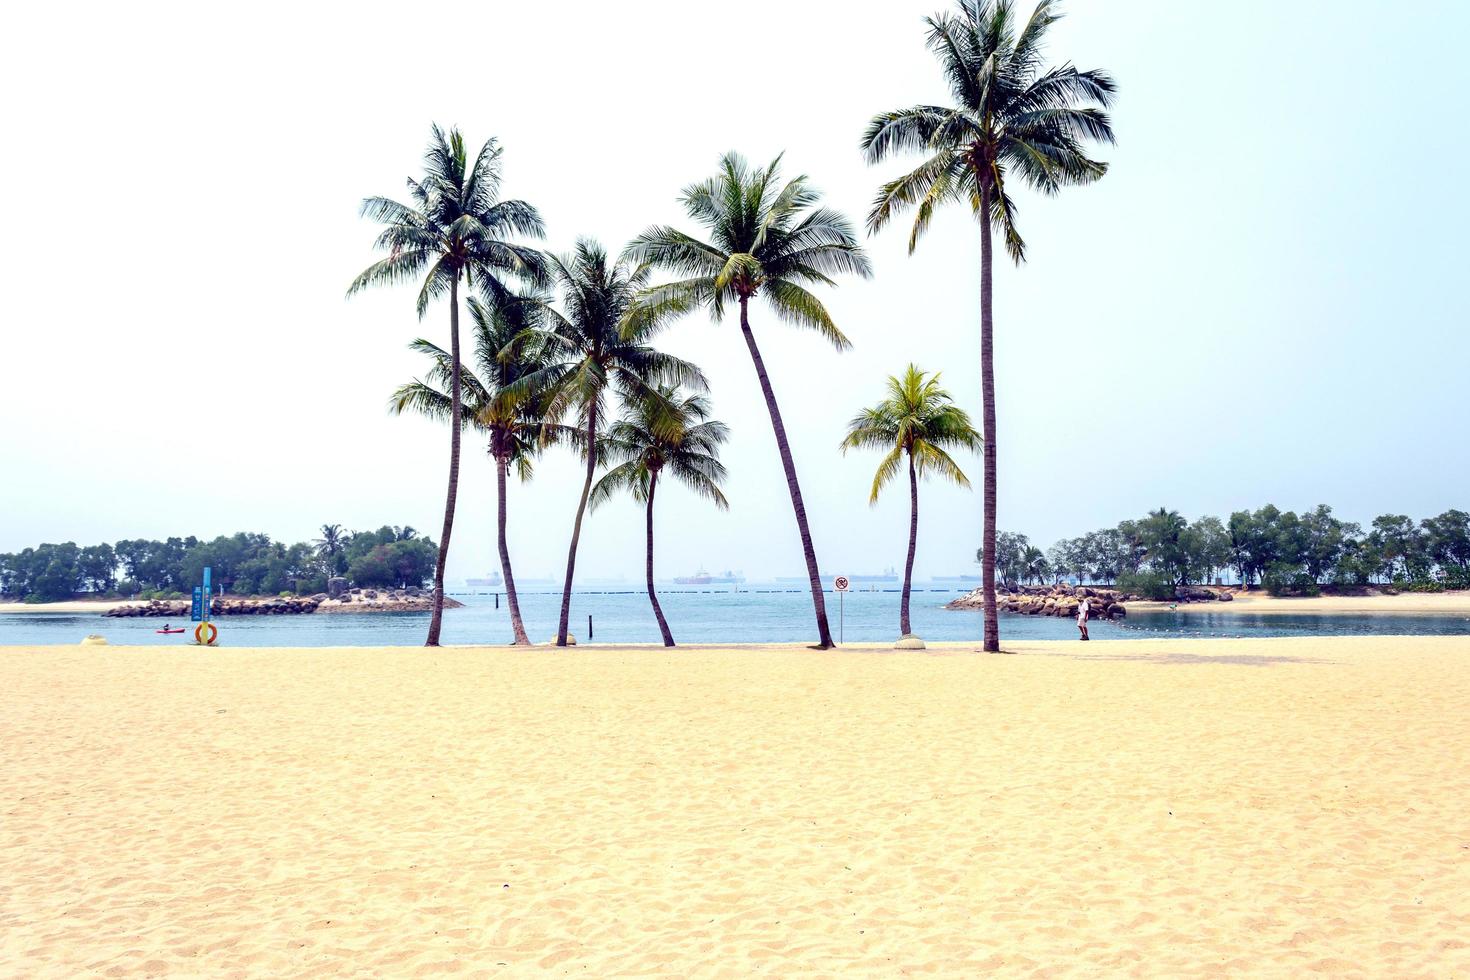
(1163, 533)
(1009, 547)
(1011, 119)
(764, 239)
(662, 430)
(510, 416)
(1208, 546)
(1447, 540)
(916, 423)
(98, 566)
(457, 229)
(329, 547)
(594, 346)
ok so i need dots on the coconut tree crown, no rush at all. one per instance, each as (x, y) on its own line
(496, 402)
(765, 238)
(664, 431)
(598, 340)
(456, 225)
(918, 419)
(1011, 117)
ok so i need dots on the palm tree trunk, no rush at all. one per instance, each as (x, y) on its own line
(908, 568)
(658, 613)
(987, 395)
(824, 632)
(436, 617)
(566, 589)
(518, 628)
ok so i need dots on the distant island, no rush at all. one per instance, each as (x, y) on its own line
(382, 570)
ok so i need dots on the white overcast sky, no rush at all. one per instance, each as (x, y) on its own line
(1263, 301)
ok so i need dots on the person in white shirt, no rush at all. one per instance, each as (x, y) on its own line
(1082, 611)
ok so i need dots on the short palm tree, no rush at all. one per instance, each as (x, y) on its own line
(765, 239)
(509, 416)
(1034, 566)
(916, 423)
(1012, 119)
(456, 229)
(596, 345)
(330, 545)
(662, 431)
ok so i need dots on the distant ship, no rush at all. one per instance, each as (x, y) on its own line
(955, 578)
(890, 574)
(702, 577)
(491, 580)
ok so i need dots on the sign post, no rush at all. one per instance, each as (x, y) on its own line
(205, 633)
(840, 584)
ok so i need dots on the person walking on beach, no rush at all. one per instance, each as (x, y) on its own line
(1082, 611)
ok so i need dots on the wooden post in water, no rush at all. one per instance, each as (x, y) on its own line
(589, 627)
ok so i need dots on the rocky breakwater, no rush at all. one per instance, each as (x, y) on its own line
(1051, 600)
(383, 600)
(351, 600)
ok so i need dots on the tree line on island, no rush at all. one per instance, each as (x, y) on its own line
(1282, 551)
(243, 564)
(561, 338)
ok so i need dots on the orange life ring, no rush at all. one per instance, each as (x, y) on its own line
(199, 634)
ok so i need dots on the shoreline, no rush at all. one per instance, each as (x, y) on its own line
(1248, 806)
(1416, 603)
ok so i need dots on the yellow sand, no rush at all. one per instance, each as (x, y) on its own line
(98, 606)
(1158, 808)
(1448, 603)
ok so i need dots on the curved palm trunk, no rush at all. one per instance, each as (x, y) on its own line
(908, 568)
(455, 415)
(566, 589)
(518, 628)
(987, 394)
(658, 612)
(824, 632)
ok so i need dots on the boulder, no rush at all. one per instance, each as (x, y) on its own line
(335, 587)
(94, 640)
(909, 642)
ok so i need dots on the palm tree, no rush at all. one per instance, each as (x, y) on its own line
(596, 345)
(510, 418)
(765, 239)
(1034, 566)
(663, 430)
(1011, 117)
(457, 228)
(917, 421)
(330, 545)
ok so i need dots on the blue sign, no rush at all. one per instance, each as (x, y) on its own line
(196, 611)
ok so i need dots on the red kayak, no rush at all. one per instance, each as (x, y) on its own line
(170, 631)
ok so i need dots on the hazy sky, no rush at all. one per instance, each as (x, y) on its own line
(1264, 300)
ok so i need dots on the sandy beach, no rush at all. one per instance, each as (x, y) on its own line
(1155, 808)
(98, 606)
(1417, 603)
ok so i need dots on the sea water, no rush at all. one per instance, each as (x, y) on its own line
(750, 614)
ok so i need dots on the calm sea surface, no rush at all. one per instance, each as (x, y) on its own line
(752, 615)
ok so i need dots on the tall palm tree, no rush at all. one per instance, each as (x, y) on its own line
(510, 417)
(597, 345)
(915, 423)
(330, 545)
(663, 430)
(456, 229)
(765, 239)
(1012, 118)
